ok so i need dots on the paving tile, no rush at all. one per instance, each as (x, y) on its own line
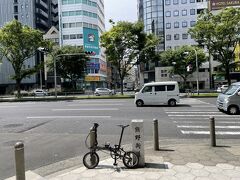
(71, 176)
(185, 176)
(120, 174)
(232, 173)
(195, 165)
(213, 169)
(134, 177)
(181, 169)
(203, 178)
(218, 176)
(225, 166)
(199, 172)
(152, 175)
(89, 173)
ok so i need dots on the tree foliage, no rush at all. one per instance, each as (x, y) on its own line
(70, 63)
(126, 45)
(181, 58)
(18, 43)
(220, 33)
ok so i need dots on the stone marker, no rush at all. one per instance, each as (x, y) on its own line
(138, 140)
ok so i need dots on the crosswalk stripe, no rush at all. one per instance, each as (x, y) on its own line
(193, 112)
(205, 122)
(201, 115)
(203, 127)
(207, 132)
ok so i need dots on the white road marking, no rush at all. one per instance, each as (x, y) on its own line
(206, 122)
(193, 112)
(64, 117)
(86, 109)
(95, 104)
(202, 106)
(218, 127)
(207, 132)
(8, 106)
(201, 115)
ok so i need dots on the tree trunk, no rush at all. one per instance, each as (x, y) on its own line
(18, 87)
(121, 86)
(228, 74)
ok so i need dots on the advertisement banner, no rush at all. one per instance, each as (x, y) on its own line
(93, 65)
(92, 78)
(219, 4)
(91, 40)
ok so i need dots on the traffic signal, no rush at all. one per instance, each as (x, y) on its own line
(189, 68)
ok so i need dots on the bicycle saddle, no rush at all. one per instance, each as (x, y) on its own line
(122, 126)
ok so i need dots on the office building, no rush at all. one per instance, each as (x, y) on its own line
(81, 24)
(38, 14)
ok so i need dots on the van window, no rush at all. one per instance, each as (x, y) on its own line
(160, 88)
(170, 87)
(147, 89)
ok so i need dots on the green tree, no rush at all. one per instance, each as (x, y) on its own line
(70, 63)
(181, 58)
(220, 33)
(18, 43)
(127, 45)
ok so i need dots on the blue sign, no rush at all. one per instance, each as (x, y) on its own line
(91, 40)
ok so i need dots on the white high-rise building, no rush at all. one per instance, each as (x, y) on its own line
(81, 24)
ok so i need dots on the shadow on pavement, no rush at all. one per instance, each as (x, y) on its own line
(156, 166)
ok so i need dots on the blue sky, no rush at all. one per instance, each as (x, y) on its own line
(120, 10)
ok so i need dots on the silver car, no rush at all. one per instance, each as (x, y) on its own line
(229, 100)
(103, 91)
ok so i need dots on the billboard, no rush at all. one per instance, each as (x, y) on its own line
(91, 40)
(219, 4)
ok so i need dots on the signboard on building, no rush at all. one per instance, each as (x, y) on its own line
(91, 40)
(92, 78)
(220, 4)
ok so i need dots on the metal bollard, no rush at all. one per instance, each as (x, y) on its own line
(19, 161)
(155, 135)
(92, 138)
(212, 132)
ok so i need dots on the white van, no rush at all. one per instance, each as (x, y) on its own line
(158, 93)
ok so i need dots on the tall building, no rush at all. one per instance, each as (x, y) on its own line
(170, 20)
(38, 14)
(81, 24)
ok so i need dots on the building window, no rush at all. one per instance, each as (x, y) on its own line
(15, 1)
(73, 36)
(65, 37)
(168, 13)
(176, 24)
(192, 23)
(184, 12)
(169, 47)
(15, 9)
(168, 25)
(176, 36)
(168, 37)
(184, 1)
(168, 2)
(79, 36)
(184, 24)
(175, 2)
(192, 11)
(72, 25)
(16, 17)
(199, 11)
(176, 13)
(192, 1)
(184, 36)
(65, 25)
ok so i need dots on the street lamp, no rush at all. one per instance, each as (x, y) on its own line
(197, 75)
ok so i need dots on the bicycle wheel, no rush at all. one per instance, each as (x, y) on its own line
(90, 160)
(130, 159)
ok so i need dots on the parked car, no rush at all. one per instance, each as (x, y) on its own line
(229, 100)
(40, 92)
(222, 88)
(104, 91)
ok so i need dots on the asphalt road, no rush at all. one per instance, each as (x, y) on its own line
(56, 131)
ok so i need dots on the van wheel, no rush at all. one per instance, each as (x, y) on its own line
(139, 103)
(172, 102)
(233, 110)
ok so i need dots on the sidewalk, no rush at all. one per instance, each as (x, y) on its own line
(196, 161)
